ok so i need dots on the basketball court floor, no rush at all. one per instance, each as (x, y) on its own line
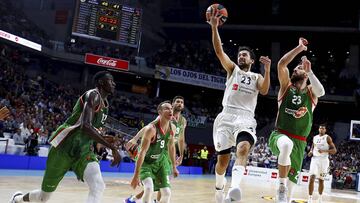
(185, 189)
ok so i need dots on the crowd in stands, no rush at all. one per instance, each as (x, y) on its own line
(199, 56)
(39, 105)
(15, 22)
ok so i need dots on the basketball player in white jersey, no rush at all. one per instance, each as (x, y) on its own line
(321, 148)
(236, 125)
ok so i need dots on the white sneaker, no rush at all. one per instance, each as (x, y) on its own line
(320, 199)
(234, 195)
(220, 193)
(12, 200)
(281, 196)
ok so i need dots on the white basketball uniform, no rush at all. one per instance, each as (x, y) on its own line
(239, 102)
(320, 161)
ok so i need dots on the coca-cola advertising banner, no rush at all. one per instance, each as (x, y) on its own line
(107, 62)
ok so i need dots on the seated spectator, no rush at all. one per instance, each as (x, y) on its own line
(17, 137)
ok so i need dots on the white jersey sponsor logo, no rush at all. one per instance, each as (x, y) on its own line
(241, 90)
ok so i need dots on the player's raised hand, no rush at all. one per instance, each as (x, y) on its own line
(306, 64)
(214, 18)
(303, 43)
(4, 112)
(266, 61)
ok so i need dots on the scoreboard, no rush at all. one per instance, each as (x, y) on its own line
(108, 21)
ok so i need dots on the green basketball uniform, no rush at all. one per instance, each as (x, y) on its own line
(155, 162)
(71, 148)
(295, 116)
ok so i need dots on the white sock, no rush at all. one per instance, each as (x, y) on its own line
(236, 175)
(133, 198)
(219, 180)
(282, 181)
(310, 196)
(320, 196)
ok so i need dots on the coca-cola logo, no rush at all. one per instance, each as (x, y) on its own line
(274, 175)
(305, 178)
(109, 62)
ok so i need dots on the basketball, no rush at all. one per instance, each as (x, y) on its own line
(221, 11)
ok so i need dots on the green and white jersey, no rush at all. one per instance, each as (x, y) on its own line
(295, 114)
(159, 144)
(74, 120)
(180, 127)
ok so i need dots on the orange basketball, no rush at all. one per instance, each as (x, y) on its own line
(221, 10)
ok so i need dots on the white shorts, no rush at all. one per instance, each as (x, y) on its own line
(228, 124)
(319, 167)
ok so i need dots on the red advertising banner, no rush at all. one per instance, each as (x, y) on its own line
(107, 62)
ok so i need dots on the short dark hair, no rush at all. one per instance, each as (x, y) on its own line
(177, 97)
(164, 102)
(246, 48)
(99, 75)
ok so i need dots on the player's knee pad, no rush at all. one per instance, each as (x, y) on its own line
(285, 146)
(39, 196)
(165, 195)
(93, 178)
(148, 189)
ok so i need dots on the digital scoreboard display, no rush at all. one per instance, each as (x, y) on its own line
(108, 21)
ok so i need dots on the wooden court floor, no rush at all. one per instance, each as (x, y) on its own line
(186, 189)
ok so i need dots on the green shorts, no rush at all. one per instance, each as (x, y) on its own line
(74, 154)
(158, 171)
(296, 156)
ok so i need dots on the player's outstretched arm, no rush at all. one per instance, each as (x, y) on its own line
(283, 71)
(149, 132)
(91, 102)
(226, 62)
(133, 142)
(317, 89)
(263, 83)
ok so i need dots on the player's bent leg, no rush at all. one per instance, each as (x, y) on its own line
(285, 146)
(165, 195)
(148, 189)
(220, 169)
(244, 141)
(93, 178)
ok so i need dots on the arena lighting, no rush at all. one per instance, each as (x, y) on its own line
(20, 40)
